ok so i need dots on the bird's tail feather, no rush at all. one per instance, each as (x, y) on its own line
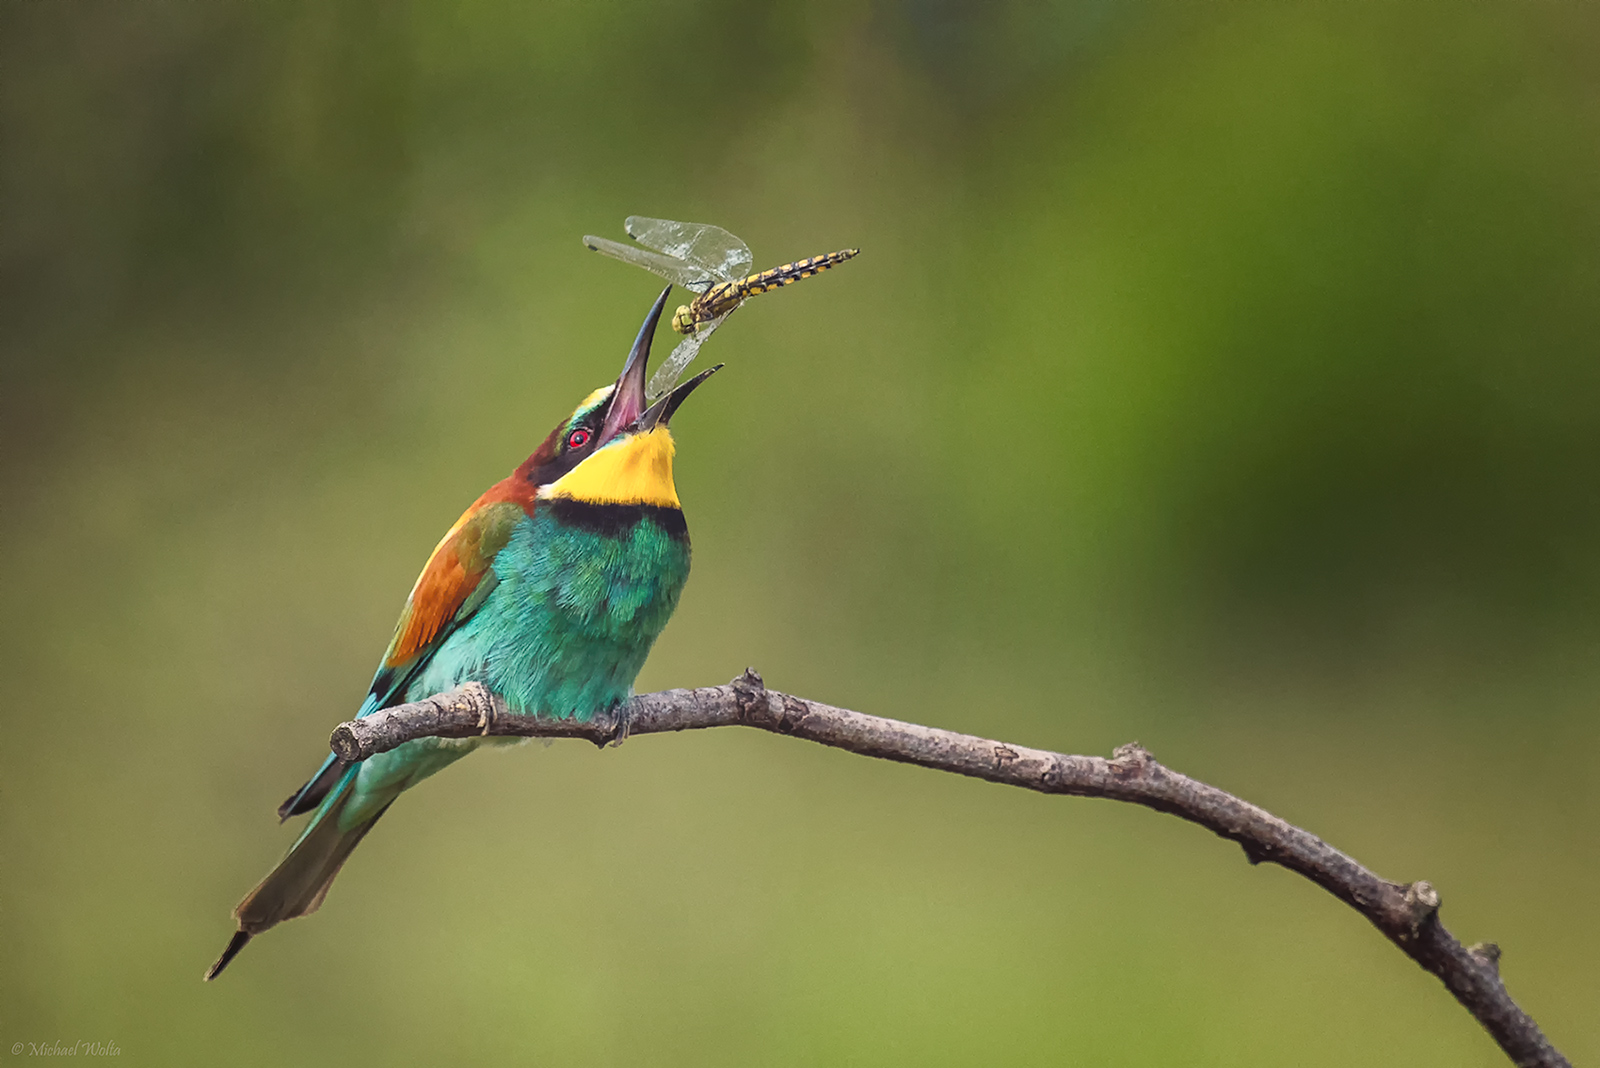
(298, 884)
(316, 788)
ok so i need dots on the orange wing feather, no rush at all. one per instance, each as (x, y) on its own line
(457, 566)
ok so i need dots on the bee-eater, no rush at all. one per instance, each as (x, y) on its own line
(549, 590)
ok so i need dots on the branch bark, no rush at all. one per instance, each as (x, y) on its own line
(1406, 913)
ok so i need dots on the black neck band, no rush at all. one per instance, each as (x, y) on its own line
(616, 520)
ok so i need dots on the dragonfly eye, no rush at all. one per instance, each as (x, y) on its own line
(578, 438)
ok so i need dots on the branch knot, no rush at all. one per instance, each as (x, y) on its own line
(1422, 901)
(749, 694)
(1488, 953)
(1132, 753)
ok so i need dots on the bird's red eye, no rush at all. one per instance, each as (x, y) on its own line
(578, 439)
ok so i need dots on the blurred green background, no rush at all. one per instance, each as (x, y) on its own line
(1220, 376)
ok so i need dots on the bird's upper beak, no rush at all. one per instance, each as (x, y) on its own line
(627, 400)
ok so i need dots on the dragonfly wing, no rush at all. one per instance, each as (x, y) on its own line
(671, 369)
(690, 276)
(723, 255)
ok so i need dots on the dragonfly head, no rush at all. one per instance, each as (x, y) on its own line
(683, 320)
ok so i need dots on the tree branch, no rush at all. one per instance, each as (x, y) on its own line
(1407, 914)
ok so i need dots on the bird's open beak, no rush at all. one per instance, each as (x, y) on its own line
(627, 400)
(661, 411)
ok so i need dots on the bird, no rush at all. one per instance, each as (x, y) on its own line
(549, 590)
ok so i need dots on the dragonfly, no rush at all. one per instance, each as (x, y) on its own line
(708, 261)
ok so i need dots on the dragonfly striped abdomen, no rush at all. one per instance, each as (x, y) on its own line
(706, 260)
(725, 296)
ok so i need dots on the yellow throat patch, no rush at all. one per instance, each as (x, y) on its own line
(635, 470)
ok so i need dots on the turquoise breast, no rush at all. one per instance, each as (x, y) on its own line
(581, 593)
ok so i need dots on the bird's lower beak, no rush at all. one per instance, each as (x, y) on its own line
(659, 413)
(627, 400)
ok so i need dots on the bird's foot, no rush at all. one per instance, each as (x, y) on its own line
(621, 721)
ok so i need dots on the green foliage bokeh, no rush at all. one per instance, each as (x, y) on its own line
(1220, 376)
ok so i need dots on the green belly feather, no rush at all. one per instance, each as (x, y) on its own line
(563, 633)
